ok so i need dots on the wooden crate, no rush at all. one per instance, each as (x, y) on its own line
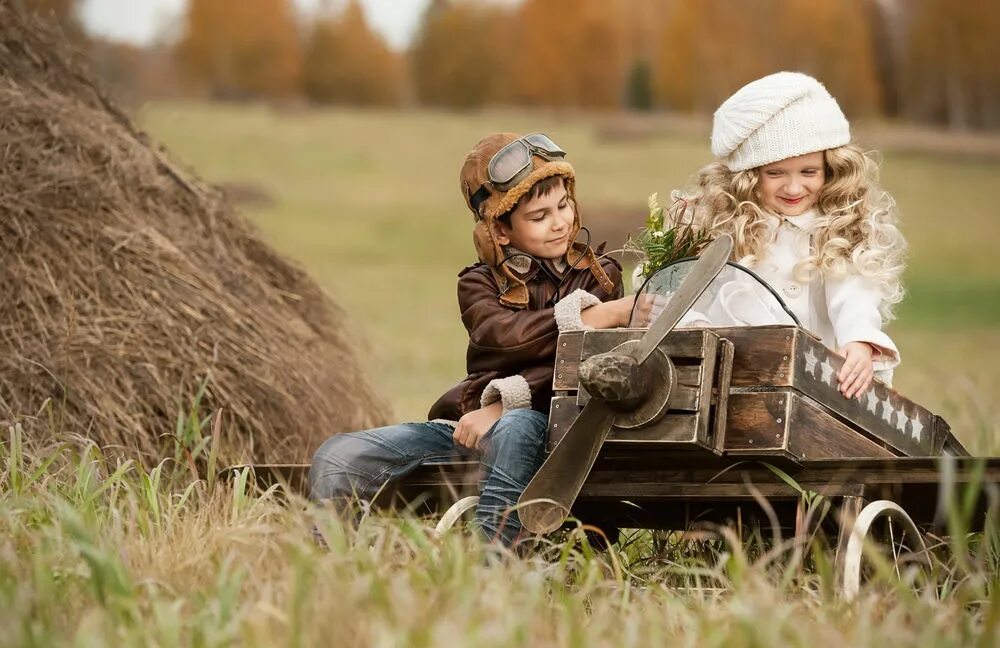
(702, 360)
(781, 399)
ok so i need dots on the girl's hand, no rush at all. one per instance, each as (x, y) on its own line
(857, 373)
(473, 426)
(647, 308)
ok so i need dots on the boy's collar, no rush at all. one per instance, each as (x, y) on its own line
(523, 265)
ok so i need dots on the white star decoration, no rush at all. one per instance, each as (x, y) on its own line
(811, 360)
(917, 428)
(887, 410)
(827, 370)
(872, 401)
(901, 421)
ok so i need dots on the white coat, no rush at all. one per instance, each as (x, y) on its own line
(838, 310)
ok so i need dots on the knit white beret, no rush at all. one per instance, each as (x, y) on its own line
(777, 117)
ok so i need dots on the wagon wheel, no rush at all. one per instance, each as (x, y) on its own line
(887, 529)
(455, 513)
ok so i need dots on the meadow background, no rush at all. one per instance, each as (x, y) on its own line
(368, 202)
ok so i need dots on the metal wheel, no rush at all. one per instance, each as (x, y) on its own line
(887, 530)
(455, 513)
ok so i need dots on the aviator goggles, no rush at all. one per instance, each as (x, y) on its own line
(512, 164)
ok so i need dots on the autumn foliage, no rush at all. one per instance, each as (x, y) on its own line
(927, 60)
(346, 62)
(238, 50)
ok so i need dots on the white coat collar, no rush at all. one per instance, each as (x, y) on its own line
(803, 221)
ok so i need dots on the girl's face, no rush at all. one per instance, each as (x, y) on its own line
(790, 187)
(541, 226)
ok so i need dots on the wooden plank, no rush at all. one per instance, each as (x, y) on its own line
(704, 400)
(870, 472)
(569, 353)
(763, 355)
(903, 470)
(682, 343)
(695, 491)
(568, 350)
(683, 398)
(562, 412)
(882, 413)
(757, 421)
(671, 429)
(688, 374)
(722, 383)
(813, 433)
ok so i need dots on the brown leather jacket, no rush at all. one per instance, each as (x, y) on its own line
(504, 341)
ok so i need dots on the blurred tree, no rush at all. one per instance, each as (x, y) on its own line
(639, 91)
(886, 17)
(346, 62)
(241, 50)
(709, 48)
(461, 53)
(951, 75)
(571, 53)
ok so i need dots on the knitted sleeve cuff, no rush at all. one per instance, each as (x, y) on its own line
(567, 310)
(513, 392)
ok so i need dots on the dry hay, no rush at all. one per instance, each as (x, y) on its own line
(128, 282)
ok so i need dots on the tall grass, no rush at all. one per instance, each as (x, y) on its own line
(99, 551)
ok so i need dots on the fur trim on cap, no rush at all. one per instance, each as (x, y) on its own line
(513, 392)
(774, 118)
(568, 309)
(509, 200)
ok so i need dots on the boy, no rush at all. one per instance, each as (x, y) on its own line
(533, 281)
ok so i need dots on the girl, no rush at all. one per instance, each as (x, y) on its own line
(806, 213)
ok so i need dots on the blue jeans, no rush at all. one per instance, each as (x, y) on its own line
(360, 463)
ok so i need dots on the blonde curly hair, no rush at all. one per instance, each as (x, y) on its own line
(855, 229)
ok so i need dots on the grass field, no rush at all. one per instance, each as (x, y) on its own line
(98, 552)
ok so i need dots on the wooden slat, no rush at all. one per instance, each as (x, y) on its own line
(757, 421)
(763, 354)
(683, 398)
(660, 490)
(724, 376)
(704, 402)
(689, 375)
(684, 343)
(869, 471)
(882, 413)
(671, 429)
(568, 350)
(816, 434)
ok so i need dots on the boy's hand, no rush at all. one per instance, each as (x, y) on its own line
(611, 314)
(857, 373)
(473, 426)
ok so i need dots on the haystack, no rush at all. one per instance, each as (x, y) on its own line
(128, 284)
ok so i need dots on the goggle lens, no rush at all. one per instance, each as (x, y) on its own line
(509, 161)
(542, 142)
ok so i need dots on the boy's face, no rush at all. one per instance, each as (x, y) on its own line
(540, 226)
(790, 187)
